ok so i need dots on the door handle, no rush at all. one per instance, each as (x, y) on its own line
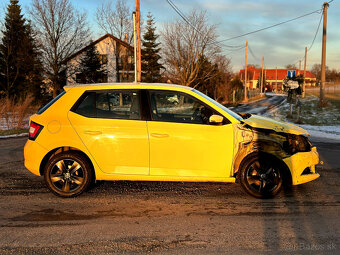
(157, 135)
(88, 132)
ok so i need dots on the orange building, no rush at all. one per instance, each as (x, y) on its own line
(273, 82)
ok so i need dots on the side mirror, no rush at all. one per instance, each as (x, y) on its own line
(215, 119)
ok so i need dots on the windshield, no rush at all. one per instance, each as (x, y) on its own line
(235, 115)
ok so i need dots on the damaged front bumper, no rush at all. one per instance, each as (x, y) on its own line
(302, 166)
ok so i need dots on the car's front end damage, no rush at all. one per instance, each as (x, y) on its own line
(286, 142)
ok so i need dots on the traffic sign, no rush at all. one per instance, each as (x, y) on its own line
(291, 73)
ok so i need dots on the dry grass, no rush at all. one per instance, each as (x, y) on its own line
(14, 115)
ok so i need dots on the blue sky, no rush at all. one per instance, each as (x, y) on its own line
(280, 45)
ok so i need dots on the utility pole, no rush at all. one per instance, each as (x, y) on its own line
(276, 80)
(245, 77)
(304, 75)
(262, 76)
(139, 52)
(265, 77)
(323, 59)
(135, 44)
(299, 67)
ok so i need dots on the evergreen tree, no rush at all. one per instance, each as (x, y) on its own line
(150, 53)
(90, 68)
(20, 66)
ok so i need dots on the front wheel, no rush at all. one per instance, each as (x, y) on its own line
(260, 176)
(68, 174)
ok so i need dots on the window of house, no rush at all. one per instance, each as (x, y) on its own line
(103, 59)
(103, 78)
(79, 78)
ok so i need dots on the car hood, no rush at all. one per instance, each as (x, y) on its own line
(256, 121)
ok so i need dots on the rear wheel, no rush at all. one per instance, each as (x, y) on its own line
(260, 176)
(68, 174)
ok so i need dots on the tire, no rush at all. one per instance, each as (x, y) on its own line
(261, 176)
(68, 174)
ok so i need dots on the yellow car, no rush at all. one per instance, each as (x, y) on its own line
(161, 132)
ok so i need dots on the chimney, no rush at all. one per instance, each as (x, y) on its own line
(126, 38)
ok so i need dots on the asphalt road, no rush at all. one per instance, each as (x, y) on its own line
(166, 218)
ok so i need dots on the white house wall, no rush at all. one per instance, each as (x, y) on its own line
(106, 46)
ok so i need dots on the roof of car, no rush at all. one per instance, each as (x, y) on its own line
(128, 85)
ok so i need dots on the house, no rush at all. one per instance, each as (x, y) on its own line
(117, 57)
(273, 77)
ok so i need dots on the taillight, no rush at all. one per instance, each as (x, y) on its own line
(34, 130)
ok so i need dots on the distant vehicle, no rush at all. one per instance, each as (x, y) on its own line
(161, 132)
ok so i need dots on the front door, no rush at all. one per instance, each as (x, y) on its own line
(182, 142)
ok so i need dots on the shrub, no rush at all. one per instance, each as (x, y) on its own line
(14, 115)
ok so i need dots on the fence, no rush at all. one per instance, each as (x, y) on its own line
(330, 88)
(238, 95)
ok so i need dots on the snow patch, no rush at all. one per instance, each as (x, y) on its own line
(15, 135)
(329, 132)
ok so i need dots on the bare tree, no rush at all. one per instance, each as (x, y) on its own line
(117, 21)
(290, 66)
(185, 45)
(63, 30)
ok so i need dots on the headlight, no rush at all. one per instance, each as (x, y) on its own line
(297, 143)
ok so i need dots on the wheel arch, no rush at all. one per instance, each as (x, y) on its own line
(287, 175)
(58, 150)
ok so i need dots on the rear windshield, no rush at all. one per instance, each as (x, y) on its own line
(44, 108)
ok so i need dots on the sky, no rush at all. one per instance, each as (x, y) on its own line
(279, 46)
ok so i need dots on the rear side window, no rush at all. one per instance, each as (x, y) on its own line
(44, 108)
(110, 105)
(87, 105)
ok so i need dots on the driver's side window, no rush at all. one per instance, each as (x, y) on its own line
(172, 106)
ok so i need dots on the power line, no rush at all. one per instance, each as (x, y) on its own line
(182, 15)
(316, 33)
(275, 25)
(252, 53)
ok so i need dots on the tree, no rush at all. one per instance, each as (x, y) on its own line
(150, 53)
(333, 75)
(34, 67)
(90, 68)
(184, 45)
(63, 31)
(290, 66)
(236, 83)
(223, 78)
(20, 66)
(117, 21)
(217, 86)
(316, 70)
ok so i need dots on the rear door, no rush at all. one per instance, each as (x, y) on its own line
(110, 125)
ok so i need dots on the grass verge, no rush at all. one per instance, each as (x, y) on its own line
(13, 131)
(311, 113)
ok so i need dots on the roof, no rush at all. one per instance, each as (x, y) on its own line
(254, 73)
(130, 85)
(128, 46)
